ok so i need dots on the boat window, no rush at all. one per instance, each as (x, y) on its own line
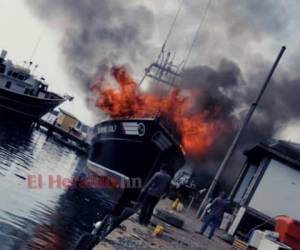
(2, 68)
(8, 84)
(21, 77)
(78, 125)
(9, 73)
(43, 87)
(15, 74)
(26, 91)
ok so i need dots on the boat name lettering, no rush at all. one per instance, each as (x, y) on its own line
(107, 129)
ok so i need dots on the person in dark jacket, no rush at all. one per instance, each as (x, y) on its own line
(155, 188)
(215, 214)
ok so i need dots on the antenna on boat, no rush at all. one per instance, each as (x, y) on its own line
(37, 44)
(163, 70)
(172, 25)
(35, 68)
(188, 54)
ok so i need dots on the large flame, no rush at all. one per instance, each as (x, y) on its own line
(197, 130)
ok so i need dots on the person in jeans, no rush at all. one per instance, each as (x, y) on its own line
(214, 217)
(155, 188)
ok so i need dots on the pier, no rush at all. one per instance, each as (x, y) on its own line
(64, 127)
(131, 235)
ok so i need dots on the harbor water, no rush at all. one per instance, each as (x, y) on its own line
(40, 208)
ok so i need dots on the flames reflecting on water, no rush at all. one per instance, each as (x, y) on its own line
(196, 130)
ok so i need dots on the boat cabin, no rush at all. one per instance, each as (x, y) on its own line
(19, 80)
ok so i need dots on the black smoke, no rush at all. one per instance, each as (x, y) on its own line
(227, 64)
(226, 87)
(97, 32)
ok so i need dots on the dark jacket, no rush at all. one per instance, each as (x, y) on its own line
(158, 185)
(217, 208)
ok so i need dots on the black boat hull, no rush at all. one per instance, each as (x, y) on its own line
(24, 107)
(129, 151)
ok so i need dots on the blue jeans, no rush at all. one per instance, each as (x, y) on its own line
(211, 221)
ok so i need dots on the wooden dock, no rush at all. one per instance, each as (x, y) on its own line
(64, 137)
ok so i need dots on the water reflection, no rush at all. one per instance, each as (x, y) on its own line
(40, 217)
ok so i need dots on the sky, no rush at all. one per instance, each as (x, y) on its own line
(256, 29)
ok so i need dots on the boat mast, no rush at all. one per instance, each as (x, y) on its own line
(164, 70)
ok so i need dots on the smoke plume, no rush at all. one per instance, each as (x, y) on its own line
(97, 33)
(230, 60)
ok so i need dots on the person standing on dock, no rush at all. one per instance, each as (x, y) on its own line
(155, 188)
(215, 213)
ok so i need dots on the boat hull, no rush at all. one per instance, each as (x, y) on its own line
(24, 107)
(129, 151)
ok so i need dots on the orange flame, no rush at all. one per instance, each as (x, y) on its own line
(196, 130)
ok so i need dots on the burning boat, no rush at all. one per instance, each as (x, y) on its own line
(146, 129)
(132, 145)
(22, 95)
(123, 149)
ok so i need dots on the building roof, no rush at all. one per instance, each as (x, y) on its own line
(68, 114)
(283, 150)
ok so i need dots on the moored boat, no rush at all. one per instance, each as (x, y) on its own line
(22, 95)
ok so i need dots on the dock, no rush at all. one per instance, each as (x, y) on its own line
(130, 235)
(64, 130)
